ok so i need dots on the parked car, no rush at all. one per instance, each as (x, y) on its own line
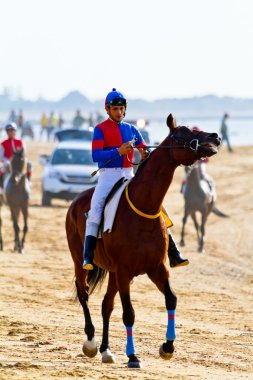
(67, 171)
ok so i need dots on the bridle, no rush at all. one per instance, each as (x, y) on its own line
(192, 145)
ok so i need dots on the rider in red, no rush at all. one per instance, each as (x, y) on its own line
(7, 147)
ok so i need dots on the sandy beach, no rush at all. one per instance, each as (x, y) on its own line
(41, 326)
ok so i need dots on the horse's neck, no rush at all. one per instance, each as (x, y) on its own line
(151, 183)
(193, 179)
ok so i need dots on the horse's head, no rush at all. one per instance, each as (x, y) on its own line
(18, 162)
(196, 144)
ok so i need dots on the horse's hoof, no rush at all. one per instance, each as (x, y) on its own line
(90, 348)
(134, 362)
(165, 355)
(108, 357)
(182, 243)
(134, 365)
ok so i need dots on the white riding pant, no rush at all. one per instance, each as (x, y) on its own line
(106, 180)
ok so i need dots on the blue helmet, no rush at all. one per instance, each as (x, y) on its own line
(115, 98)
(11, 126)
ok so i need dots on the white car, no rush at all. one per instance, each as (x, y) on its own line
(67, 171)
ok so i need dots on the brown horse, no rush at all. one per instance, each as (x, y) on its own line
(1, 237)
(138, 244)
(17, 193)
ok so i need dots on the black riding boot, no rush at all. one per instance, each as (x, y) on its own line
(174, 255)
(88, 253)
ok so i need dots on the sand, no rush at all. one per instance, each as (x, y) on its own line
(41, 327)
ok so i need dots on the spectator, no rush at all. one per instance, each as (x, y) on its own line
(224, 132)
(78, 120)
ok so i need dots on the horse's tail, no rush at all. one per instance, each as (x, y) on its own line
(217, 212)
(96, 278)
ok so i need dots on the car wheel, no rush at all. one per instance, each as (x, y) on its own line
(46, 199)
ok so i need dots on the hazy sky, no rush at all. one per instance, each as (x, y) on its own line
(145, 48)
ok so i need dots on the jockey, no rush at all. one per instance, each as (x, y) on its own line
(113, 151)
(7, 147)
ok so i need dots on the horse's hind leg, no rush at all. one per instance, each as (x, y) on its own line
(107, 308)
(89, 345)
(123, 283)
(161, 279)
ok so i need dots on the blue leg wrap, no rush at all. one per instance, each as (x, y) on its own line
(130, 341)
(171, 331)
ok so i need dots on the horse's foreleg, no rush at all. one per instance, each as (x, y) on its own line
(161, 279)
(128, 317)
(107, 308)
(194, 218)
(202, 230)
(25, 228)
(17, 243)
(1, 237)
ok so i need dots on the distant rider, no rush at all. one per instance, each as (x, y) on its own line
(7, 147)
(112, 141)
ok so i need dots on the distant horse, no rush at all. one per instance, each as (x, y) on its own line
(17, 192)
(1, 237)
(138, 243)
(199, 197)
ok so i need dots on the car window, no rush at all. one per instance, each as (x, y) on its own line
(72, 157)
(74, 134)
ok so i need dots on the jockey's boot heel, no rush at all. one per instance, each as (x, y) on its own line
(175, 258)
(88, 253)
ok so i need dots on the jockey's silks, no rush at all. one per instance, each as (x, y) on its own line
(108, 137)
(10, 146)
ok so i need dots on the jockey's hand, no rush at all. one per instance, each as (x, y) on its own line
(144, 153)
(125, 148)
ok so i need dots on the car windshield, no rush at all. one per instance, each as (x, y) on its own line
(74, 134)
(72, 157)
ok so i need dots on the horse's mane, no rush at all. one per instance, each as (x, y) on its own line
(143, 163)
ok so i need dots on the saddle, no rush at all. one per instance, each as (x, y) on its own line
(111, 205)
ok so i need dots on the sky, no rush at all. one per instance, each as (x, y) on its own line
(148, 49)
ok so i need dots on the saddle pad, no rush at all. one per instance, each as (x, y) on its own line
(111, 208)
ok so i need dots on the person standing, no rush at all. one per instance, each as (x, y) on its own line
(78, 120)
(44, 126)
(224, 132)
(53, 122)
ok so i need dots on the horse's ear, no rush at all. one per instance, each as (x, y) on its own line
(171, 122)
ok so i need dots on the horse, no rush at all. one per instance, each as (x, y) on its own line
(17, 193)
(1, 236)
(138, 242)
(199, 196)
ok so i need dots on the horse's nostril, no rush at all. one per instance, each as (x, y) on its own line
(214, 135)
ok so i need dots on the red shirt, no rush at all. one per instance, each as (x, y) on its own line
(11, 145)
